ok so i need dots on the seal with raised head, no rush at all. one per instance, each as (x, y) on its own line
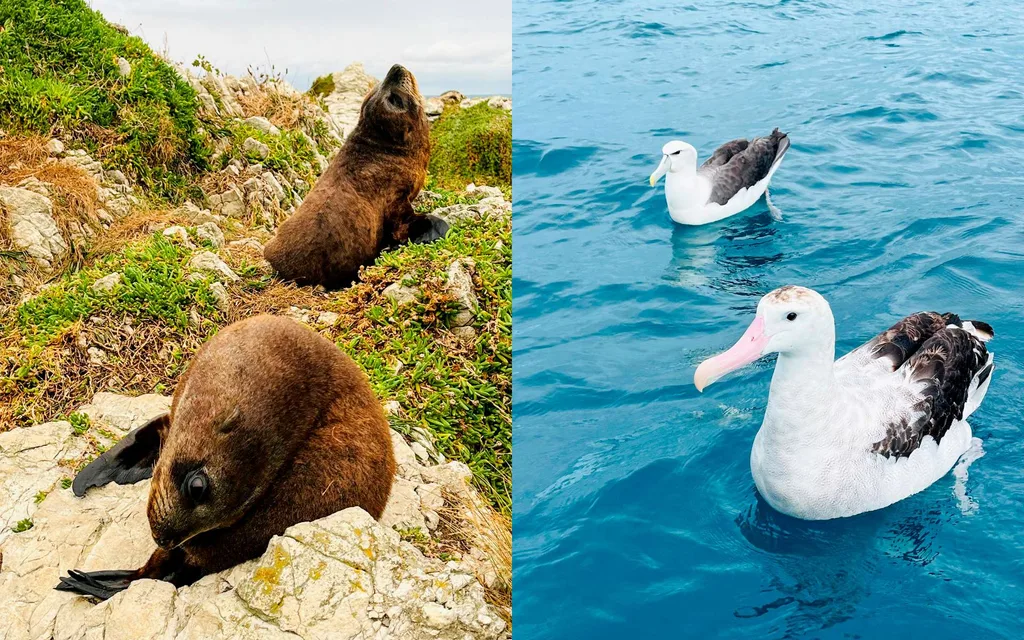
(362, 204)
(271, 425)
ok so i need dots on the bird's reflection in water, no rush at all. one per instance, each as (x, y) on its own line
(821, 571)
(731, 255)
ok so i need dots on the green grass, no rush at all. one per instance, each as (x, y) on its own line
(60, 75)
(322, 86)
(289, 150)
(461, 397)
(472, 145)
(153, 286)
(22, 526)
(79, 423)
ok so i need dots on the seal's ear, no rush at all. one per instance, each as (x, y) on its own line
(130, 460)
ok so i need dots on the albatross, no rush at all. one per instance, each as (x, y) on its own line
(857, 434)
(730, 181)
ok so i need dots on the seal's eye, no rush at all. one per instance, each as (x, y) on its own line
(396, 101)
(791, 317)
(196, 486)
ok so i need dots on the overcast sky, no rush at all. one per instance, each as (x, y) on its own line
(449, 44)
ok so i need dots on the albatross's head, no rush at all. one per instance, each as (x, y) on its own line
(676, 156)
(790, 320)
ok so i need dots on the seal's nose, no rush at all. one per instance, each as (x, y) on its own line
(396, 74)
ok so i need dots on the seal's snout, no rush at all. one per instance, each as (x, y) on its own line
(396, 75)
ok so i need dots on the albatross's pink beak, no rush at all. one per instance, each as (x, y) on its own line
(748, 349)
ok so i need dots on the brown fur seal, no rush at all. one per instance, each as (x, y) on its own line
(363, 202)
(271, 425)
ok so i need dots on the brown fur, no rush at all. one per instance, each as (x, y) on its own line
(363, 202)
(287, 430)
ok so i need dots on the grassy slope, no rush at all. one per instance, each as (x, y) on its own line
(60, 74)
(153, 322)
(472, 145)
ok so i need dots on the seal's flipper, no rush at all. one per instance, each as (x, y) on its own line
(436, 230)
(98, 584)
(130, 460)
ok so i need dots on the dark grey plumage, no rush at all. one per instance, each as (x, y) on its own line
(933, 349)
(740, 163)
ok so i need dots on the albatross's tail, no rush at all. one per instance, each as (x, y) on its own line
(781, 143)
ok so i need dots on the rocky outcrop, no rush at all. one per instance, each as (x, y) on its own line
(350, 87)
(344, 576)
(32, 226)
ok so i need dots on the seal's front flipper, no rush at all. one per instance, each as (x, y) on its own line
(433, 228)
(130, 460)
(98, 584)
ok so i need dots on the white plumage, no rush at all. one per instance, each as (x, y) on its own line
(729, 182)
(858, 434)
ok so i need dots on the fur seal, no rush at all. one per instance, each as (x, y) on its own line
(363, 202)
(271, 425)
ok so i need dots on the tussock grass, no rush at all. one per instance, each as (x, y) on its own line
(74, 198)
(60, 75)
(322, 86)
(472, 145)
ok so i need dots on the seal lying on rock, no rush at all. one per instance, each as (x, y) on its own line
(271, 425)
(363, 202)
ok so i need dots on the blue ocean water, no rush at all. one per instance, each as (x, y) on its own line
(635, 512)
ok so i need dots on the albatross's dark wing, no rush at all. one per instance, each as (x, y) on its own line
(738, 164)
(724, 153)
(944, 360)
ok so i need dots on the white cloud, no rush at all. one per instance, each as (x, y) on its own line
(448, 44)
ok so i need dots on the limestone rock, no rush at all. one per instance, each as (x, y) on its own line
(124, 68)
(485, 191)
(33, 229)
(55, 147)
(124, 413)
(220, 294)
(500, 102)
(401, 294)
(433, 107)
(180, 234)
(328, 318)
(28, 466)
(246, 243)
(209, 261)
(344, 576)
(230, 203)
(344, 103)
(211, 233)
(460, 285)
(253, 147)
(107, 283)
(263, 125)
(451, 97)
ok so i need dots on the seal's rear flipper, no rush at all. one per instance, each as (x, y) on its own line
(436, 230)
(130, 460)
(98, 584)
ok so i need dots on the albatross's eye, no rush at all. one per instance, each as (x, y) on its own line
(791, 317)
(676, 153)
(196, 487)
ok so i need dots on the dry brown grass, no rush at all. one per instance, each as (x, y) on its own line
(468, 518)
(141, 357)
(73, 193)
(284, 111)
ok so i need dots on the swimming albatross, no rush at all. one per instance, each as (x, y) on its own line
(874, 427)
(732, 179)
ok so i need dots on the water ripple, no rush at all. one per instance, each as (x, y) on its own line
(635, 513)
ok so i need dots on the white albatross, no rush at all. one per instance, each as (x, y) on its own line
(874, 427)
(731, 180)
